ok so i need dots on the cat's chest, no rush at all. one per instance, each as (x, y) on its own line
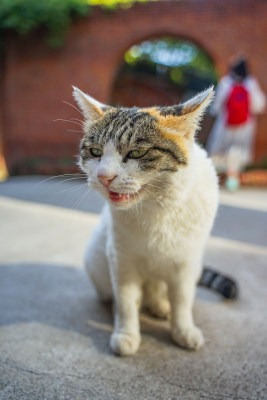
(152, 236)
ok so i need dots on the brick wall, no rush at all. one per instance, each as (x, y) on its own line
(37, 79)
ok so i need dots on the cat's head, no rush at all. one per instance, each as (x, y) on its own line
(131, 154)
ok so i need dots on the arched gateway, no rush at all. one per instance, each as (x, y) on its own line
(37, 79)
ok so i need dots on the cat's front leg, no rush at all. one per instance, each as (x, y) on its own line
(126, 338)
(182, 293)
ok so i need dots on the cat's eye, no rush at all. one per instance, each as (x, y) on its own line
(95, 152)
(137, 153)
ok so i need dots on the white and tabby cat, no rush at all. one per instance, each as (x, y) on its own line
(162, 196)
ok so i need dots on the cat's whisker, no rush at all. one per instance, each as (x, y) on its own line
(78, 176)
(80, 199)
(76, 119)
(127, 211)
(71, 190)
(67, 120)
(72, 130)
(140, 202)
(65, 180)
(160, 182)
(77, 109)
(158, 187)
(136, 206)
(159, 179)
(87, 191)
(136, 212)
(156, 199)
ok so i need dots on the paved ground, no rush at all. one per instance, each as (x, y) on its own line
(54, 333)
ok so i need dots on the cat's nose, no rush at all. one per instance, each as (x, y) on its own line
(106, 179)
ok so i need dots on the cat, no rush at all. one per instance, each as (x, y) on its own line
(162, 197)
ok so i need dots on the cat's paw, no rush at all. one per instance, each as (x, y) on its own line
(189, 338)
(124, 344)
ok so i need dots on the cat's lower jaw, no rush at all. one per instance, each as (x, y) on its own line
(124, 344)
(123, 199)
(190, 338)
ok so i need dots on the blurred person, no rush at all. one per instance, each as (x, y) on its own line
(238, 100)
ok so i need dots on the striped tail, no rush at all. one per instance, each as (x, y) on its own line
(219, 283)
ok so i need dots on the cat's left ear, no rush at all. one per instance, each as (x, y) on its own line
(91, 108)
(185, 118)
(198, 104)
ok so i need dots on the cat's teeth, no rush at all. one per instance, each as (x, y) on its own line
(120, 195)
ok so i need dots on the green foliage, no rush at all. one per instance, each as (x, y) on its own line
(55, 16)
(113, 4)
(23, 16)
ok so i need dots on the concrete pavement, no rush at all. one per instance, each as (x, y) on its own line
(54, 332)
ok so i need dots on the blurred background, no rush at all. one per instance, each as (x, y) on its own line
(54, 333)
(127, 53)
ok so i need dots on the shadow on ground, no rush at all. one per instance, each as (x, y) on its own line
(63, 297)
(55, 334)
(53, 295)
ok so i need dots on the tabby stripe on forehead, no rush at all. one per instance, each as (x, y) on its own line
(130, 127)
(173, 155)
(133, 121)
(124, 128)
(115, 128)
(131, 135)
(136, 117)
(111, 125)
(106, 129)
(117, 125)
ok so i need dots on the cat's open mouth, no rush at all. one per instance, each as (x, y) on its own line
(122, 197)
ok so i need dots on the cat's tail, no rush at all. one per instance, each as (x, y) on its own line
(222, 284)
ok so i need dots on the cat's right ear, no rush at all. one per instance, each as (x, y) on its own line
(91, 108)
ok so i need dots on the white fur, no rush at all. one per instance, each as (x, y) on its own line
(151, 253)
(90, 107)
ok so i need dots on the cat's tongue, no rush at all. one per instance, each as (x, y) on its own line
(118, 197)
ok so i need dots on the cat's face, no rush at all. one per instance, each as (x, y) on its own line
(130, 154)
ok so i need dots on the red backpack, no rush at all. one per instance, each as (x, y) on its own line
(237, 105)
